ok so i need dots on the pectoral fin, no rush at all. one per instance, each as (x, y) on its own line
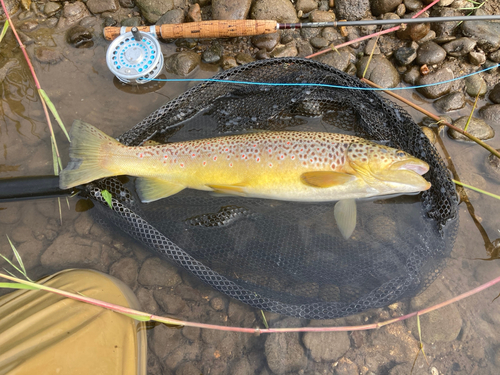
(345, 215)
(324, 179)
(152, 189)
(236, 189)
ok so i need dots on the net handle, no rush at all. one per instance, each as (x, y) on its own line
(204, 29)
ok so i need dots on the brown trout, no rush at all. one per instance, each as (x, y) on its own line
(286, 165)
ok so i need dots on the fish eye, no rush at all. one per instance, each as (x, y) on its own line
(400, 153)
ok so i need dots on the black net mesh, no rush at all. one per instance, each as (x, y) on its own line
(289, 257)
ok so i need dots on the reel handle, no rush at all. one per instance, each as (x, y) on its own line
(204, 29)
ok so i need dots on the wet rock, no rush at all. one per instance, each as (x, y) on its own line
(495, 56)
(331, 34)
(325, 346)
(288, 50)
(402, 369)
(5, 69)
(72, 13)
(338, 59)
(262, 54)
(430, 53)
(401, 10)
(147, 300)
(244, 58)
(495, 94)
(486, 33)
(125, 270)
(284, 353)
(101, 6)
(321, 16)
(30, 252)
(411, 76)
(130, 22)
(51, 22)
(431, 136)
(170, 303)
(415, 31)
(51, 8)
(306, 6)
(459, 47)
(491, 113)
(182, 63)
(230, 10)
(440, 325)
(155, 271)
(12, 7)
(281, 11)
(194, 13)
(29, 26)
(413, 5)
(80, 37)
(445, 28)
(213, 54)
(191, 333)
(475, 85)
(372, 47)
(380, 71)
(228, 62)
(46, 55)
(450, 102)
(320, 43)
(433, 92)
(477, 127)
(405, 55)
(310, 33)
(165, 340)
(217, 303)
(352, 9)
(173, 16)
(127, 3)
(266, 41)
(152, 10)
(346, 367)
(477, 58)
(493, 164)
(380, 7)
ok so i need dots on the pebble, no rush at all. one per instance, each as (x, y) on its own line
(29, 26)
(127, 3)
(380, 71)
(12, 7)
(244, 58)
(281, 11)
(429, 134)
(321, 16)
(51, 8)
(443, 29)
(380, 7)
(477, 127)
(101, 6)
(10, 215)
(304, 48)
(80, 37)
(262, 54)
(47, 55)
(158, 272)
(72, 13)
(433, 92)
(217, 303)
(331, 34)
(306, 6)
(310, 33)
(493, 163)
(170, 303)
(230, 10)
(130, 22)
(194, 13)
(337, 59)
(459, 47)
(346, 367)
(174, 16)
(228, 62)
(405, 55)
(495, 56)
(284, 353)
(490, 114)
(450, 102)
(147, 301)
(325, 346)
(412, 75)
(320, 43)
(413, 5)
(441, 325)
(372, 45)
(266, 41)
(495, 94)
(414, 31)
(125, 269)
(477, 58)
(213, 54)
(475, 85)
(351, 10)
(486, 33)
(430, 53)
(288, 50)
(182, 63)
(152, 10)
(401, 10)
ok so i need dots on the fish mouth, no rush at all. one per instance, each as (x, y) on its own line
(415, 165)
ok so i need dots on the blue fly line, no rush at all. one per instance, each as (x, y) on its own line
(319, 84)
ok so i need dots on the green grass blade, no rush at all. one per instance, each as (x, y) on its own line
(54, 111)
(16, 286)
(264, 319)
(18, 258)
(140, 318)
(107, 197)
(476, 189)
(4, 30)
(54, 157)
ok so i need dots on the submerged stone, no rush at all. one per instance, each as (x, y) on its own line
(80, 37)
(46, 55)
(430, 53)
(281, 11)
(380, 71)
(182, 63)
(450, 102)
(477, 127)
(475, 85)
(436, 91)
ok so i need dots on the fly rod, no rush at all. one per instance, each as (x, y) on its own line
(34, 187)
(239, 28)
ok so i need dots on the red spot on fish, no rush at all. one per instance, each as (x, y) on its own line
(258, 160)
(141, 155)
(311, 160)
(293, 157)
(215, 158)
(270, 164)
(243, 156)
(230, 164)
(288, 143)
(226, 149)
(165, 156)
(204, 163)
(270, 150)
(181, 165)
(282, 156)
(193, 155)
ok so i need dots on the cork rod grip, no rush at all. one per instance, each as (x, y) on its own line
(204, 29)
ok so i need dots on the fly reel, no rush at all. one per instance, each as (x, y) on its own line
(135, 57)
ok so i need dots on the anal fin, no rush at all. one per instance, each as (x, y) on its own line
(345, 216)
(151, 189)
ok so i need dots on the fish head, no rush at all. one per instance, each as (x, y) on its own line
(387, 169)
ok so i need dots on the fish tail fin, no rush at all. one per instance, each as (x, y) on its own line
(88, 151)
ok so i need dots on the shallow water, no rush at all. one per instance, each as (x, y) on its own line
(81, 87)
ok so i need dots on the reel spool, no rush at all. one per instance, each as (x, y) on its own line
(135, 57)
